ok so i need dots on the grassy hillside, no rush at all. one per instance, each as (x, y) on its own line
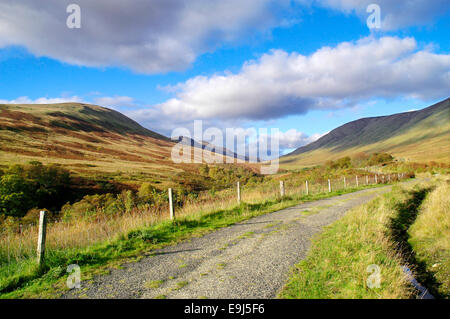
(89, 140)
(413, 136)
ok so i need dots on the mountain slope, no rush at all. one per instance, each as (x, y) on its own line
(88, 139)
(212, 148)
(422, 135)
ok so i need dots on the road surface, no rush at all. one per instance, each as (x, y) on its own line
(251, 259)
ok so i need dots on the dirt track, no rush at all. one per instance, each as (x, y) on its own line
(251, 259)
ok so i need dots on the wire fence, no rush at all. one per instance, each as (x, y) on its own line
(20, 242)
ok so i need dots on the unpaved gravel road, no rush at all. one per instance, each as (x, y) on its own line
(251, 259)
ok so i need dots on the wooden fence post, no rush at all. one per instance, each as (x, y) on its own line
(41, 237)
(282, 190)
(307, 189)
(367, 180)
(357, 182)
(376, 179)
(172, 215)
(329, 186)
(345, 183)
(238, 192)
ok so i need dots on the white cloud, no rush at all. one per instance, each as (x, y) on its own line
(105, 101)
(280, 83)
(394, 14)
(294, 139)
(154, 36)
(288, 140)
(114, 101)
(146, 36)
(42, 100)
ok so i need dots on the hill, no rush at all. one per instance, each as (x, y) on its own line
(90, 140)
(421, 136)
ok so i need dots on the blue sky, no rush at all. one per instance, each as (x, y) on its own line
(224, 69)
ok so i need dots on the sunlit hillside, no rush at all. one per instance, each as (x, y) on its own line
(87, 139)
(420, 136)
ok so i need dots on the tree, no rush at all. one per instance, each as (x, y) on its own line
(15, 195)
(33, 185)
(344, 162)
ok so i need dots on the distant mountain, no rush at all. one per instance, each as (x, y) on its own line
(71, 116)
(88, 139)
(422, 135)
(211, 148)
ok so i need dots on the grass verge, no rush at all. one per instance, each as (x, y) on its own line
(25, 280)
(429, 237)
(361, 255)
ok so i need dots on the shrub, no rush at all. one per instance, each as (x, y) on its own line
(379, 158)
(32, 216)
(146, 192)
(16, 195)
(91, 205)
(128, 200)
(34, 185)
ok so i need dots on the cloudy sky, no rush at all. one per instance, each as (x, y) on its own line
(304, 67)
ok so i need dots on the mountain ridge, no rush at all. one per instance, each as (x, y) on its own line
(365, 133)
(87, 139)
(80, 116)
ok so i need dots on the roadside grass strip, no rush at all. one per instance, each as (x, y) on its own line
(362, 255)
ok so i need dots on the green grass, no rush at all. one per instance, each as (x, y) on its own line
(154, 284)
(182, 284)
(339, 264)
(25, 280)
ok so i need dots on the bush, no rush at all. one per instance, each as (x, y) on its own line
(97, 205)
(225, 176)
(128, 199)
(16, 195)
(379, 158)
(34, 185)
(91, 205)
(344, 162)
(146, 192)
(32, 216)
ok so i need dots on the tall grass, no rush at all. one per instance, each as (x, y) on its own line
(339, 264)
(430, 237)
